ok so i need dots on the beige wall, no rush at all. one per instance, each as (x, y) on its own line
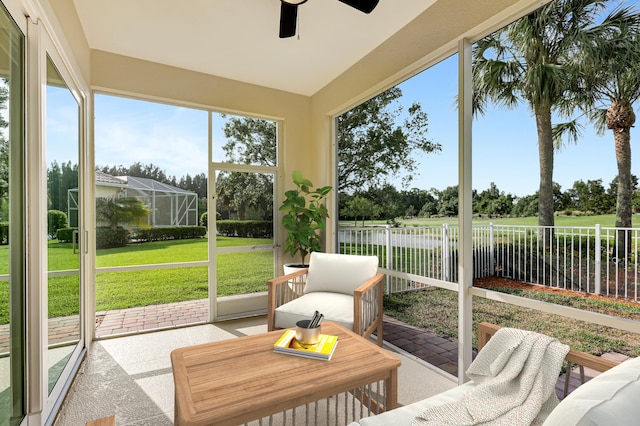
(106, 191)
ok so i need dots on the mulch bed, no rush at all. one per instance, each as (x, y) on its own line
(499, 282)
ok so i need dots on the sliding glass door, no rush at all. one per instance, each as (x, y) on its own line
(63, 242)
(12, 223)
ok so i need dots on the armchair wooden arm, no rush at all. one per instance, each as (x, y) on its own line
(573, 357)
(367, 309)
(367, 301)
(281, 290)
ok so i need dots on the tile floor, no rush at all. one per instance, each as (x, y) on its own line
(131, 376)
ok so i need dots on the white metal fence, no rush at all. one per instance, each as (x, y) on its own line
(595, 259)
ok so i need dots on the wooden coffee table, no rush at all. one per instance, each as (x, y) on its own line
(238, 380)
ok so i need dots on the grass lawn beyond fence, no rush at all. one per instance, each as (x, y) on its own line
(437, 310)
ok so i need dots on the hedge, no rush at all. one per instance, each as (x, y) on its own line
(245, 228)
(56, 219)
(65, 235)
(111, 237)
(169, 233)
(4, 233)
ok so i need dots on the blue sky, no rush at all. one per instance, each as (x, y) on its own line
(505, 147)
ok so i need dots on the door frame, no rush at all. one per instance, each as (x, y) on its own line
(247, 304)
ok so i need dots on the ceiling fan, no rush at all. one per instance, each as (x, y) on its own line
(289, 13)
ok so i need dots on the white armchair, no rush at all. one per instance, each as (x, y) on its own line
(346, 289)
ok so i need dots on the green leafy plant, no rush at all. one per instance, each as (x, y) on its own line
(115, 211)
(305, 214)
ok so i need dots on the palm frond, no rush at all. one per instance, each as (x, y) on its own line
(570, 130)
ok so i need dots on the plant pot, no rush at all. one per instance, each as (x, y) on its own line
(290, 268)
(296, 284)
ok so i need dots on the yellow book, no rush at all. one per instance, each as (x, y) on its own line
(287, 344)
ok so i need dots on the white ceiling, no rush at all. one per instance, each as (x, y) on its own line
(238, 39)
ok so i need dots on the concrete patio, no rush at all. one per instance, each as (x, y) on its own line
(130, 377)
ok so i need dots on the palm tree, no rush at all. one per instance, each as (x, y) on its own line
(115, 211)
(528, 61)
(610, 89)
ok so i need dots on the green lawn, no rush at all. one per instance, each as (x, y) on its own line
(417, 308)
(237, 273)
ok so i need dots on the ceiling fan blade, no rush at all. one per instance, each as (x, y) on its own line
(288, 18)
(365, 6)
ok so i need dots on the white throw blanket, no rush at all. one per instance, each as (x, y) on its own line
(515, 376)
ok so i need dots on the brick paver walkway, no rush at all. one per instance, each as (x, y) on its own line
(151, 317)
(61, 331)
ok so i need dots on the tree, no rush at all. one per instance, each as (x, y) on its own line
(250, 141)
(612, 192)
(493, 201)
(430, 207)
(526, 206)
(414, 199)
(60, 178)
(529, 61)
(362, 207)
(561, 200)
(610, 90)
(388, 199)
(372, 146)
(589, 196)
(246, 192)
(448, 201)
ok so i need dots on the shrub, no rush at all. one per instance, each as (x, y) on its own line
(55, 220)
(111, 237)
(4, 233)
(65, 235)
(245, 228)
(204, 219)
(169, 233)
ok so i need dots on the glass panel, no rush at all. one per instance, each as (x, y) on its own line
(62, 150)
(245, 140)
(244, 223)
(12, 266)
(151, 198)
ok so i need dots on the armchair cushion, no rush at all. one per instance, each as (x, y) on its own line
(339, 273)
(335, 307)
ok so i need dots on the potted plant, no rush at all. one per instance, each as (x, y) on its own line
(305, 215)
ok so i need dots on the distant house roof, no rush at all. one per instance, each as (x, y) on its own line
(137, 183)
(105, 179)
(146, 184)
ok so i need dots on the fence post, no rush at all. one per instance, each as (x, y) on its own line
(492, 251)
(446, 263)
(598, 261)
(388, 255)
